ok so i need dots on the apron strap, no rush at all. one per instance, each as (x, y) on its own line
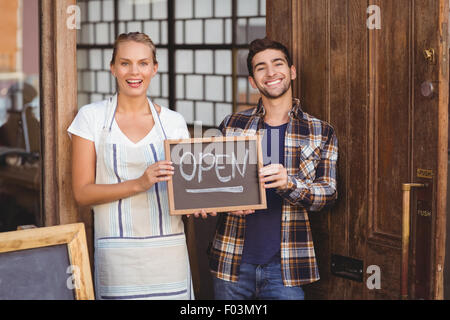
(157, 119)
(110, 112)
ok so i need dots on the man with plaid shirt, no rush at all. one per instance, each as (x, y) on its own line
(269, 254)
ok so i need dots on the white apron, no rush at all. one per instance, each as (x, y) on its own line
(140, 250)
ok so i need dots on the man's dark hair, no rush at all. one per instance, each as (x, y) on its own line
(259, 45)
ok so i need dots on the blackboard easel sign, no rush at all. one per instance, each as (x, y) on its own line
(50, 263)
(216, 174)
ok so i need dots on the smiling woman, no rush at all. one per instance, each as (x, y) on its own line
(118, 168)
(133, 63)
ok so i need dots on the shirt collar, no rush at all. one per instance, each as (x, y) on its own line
(295, 112)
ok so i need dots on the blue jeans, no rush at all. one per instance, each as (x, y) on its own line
(257, 281)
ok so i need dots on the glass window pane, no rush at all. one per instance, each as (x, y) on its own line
(193, 31)
(204, 112)
(183, 9)
(179, 32)
(203, 8)
(89, 81)
(95, 59)
(162, 102)
(142, 10)
(125, 10)
(82, 59)
(163, 32)
(214, 88)
(155, 87)
(262, 7)
(223, 62)
(103, 82)
(87, 33)
(165, 85)
(151, 28)
(222, 110)
(256, 29)
(247, 8)
(94, 11)
(242, 90)
(223, 8)
(96, 97)
(134, 27)
(241, 34)
(121, 27)
(194, 87)
(180, 86)
(203, 61)
(242, 62)
(214, 31)
(186, 108)
(159, 9)
(228, 31)
(161, 56)
(83, 99)
(184, 60)
(107, 56)
(102, 33)
(229, 89)
(83, 11)
(108, 10)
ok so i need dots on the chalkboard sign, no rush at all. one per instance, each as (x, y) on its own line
(49, 263)
(216, 174)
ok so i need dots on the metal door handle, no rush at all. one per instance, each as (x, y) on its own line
(406, 188)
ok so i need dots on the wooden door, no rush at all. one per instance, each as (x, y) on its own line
(367, 83)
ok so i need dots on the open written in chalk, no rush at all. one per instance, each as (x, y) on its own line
(216, 174)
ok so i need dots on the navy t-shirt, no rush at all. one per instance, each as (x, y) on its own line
(263, 228)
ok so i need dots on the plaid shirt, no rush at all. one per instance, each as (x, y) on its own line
(311, 153)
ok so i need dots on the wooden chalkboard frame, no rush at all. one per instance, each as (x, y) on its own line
(73, 235)
(170, 189)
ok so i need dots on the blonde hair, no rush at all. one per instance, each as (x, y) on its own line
(136, 37)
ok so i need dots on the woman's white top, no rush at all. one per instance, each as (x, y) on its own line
(140, 249)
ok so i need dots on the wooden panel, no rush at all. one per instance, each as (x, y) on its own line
(388, 260)
(277, 13)
(337, 87)
(66, 108)
(391, 49)
(366, 83)
(47, 103)
(429, 137)
(443, 138)
(357, 138)
(58, 108)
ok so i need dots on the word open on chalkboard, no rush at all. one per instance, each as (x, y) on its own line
(216, 174)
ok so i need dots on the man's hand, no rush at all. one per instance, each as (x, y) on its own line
(241, 212)
(275, 174)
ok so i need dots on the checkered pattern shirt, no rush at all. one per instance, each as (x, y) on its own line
(311, 153)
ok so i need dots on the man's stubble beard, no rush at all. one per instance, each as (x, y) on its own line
(270, 96)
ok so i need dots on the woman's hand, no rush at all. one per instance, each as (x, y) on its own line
(158, 172)
(275, 174)
(203, 214)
